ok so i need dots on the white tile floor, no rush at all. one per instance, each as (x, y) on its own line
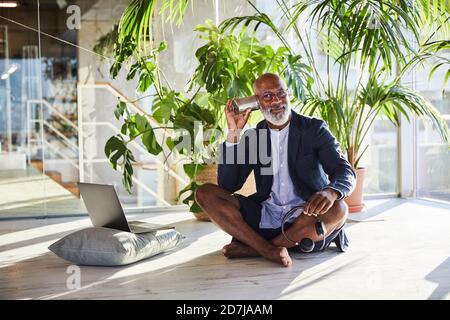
(399, 250)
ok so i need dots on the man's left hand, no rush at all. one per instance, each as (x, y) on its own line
(320, 202)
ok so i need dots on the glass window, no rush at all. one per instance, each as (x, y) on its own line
(433, 156)
(22, 183)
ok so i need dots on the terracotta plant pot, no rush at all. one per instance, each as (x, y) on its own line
(355, 200)
(209, 175)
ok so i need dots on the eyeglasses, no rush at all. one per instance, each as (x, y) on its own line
(268, 96)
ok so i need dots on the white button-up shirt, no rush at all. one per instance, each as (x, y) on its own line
(283, 196)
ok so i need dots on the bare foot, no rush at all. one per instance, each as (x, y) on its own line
(239, 250)
(279, 255)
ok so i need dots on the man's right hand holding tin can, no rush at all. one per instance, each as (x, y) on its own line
(236, 121)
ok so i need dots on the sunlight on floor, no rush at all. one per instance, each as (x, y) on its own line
(398, 250)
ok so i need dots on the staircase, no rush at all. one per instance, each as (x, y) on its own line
(90, 129)
(57, 177)
(62, 139)
(50, 137)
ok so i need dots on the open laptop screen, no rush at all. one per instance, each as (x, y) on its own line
(103, 206)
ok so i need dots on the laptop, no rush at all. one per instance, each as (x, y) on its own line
(105, 210)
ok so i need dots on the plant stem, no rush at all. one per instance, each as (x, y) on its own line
(146, 96)
(148, 130)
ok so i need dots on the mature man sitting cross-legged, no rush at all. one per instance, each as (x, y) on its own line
(306, 167)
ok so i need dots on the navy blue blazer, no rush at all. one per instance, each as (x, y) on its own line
(315, 160)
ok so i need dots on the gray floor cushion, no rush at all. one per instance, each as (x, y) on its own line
(110, 247)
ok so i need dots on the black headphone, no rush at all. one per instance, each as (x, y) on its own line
(306, 244)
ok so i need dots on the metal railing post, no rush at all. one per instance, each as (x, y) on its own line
(80, 134)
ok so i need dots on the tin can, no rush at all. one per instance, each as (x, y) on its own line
(242, 104)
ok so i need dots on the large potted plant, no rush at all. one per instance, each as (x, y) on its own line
(374, 39)
(228, 63)
(371, 36)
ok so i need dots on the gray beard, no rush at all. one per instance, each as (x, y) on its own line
(277, 119)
